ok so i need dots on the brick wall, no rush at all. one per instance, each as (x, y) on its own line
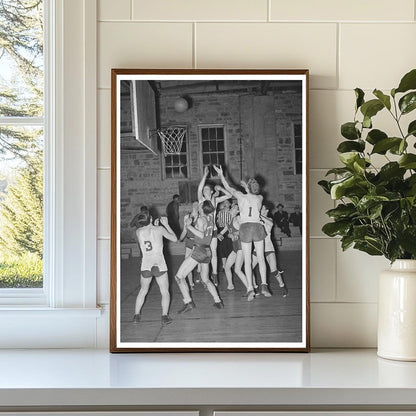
(260, 126)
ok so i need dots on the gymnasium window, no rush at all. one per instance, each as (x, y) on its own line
(297, 142)
(213, 146)
(176, 166)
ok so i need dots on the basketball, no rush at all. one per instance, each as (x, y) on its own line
(181, 105)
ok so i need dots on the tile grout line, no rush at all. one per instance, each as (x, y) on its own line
(194, 63)
(338, 63)
(269, 11)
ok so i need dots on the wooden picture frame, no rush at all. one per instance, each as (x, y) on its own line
(254, 123)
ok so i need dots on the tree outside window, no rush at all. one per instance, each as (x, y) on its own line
(21, 143)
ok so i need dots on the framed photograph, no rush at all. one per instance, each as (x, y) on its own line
(209, 213)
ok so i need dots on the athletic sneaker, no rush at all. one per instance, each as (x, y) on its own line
(250, 295)
(265, 290)
(283, 290)
(137, 318)
(218, 305)
(187, 307)
(166, 320)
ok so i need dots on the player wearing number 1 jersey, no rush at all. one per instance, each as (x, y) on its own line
(150, 239)
(251, 229)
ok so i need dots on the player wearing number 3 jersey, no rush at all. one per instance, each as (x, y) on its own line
(150, 239)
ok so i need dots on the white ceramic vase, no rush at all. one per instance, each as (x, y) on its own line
(397, 312)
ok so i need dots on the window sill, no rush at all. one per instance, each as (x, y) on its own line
(40, 327)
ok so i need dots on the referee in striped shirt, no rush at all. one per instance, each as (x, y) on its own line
(225, 245)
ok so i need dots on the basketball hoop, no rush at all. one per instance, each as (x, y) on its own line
(171, 138)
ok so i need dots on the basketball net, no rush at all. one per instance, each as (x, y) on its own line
(171, 138)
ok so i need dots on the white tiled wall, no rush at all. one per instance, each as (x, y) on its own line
(345, 44)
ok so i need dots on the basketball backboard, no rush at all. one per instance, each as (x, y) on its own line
(144, 114)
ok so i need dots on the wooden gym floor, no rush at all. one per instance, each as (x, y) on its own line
(274, 319)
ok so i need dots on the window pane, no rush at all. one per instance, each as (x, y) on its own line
(205, 159)
(205, 146)
(183, 159)
(213, 146)
(214, 159)
(221, 159)
(21, 208)
(220, 133)
(298, 142)
(21, 58)
(220, 146)
(204, 134)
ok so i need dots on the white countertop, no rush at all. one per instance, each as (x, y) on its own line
(96, 377)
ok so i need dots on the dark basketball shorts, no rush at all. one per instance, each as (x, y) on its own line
(154, 272)
(189, 243)
(215, 233)
(236, 245)
(252, 231)
(202, 254)
(266, 253)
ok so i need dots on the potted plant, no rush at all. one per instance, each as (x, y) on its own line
(376, 207)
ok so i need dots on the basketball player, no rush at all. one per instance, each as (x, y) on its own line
(251, 229)
(206, 193)
(236, 256)
(201, 254)
(188, 237)
(150, 239)
(269, 252)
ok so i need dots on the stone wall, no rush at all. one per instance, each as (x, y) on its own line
(258, 142)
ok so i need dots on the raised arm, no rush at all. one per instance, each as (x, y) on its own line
(185, 228)
(227, 187)
(167, 231)
(227, 195)
(202, 183)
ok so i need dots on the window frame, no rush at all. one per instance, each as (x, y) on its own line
(294, 124)
(201, 153)
(71, 210)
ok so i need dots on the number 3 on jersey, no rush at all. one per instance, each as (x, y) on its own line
(148, 245)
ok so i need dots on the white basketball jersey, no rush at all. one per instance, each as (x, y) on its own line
(151, 244)
(249, 206)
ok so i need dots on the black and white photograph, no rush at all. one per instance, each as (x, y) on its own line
(209, 233)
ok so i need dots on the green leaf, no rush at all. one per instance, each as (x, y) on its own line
(338, 189)
(391, 170)
(385, 99)
(349, 146)
(325, 186)
(408, 82)
(383, 145)
(367, 122)
(398, 149)
(346, 242)
(338, 171)
(368, 248)
(371, 108)
(359, 95)
(361, 231)
(407, 240)
(349, 131)
(336, 228)
(342, 211)
(375, 211)
(408, 102)
(375, 136)
(411, 130)
(348, 158)
(408, 161)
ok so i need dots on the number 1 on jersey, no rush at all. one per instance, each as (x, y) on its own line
(249, 211)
